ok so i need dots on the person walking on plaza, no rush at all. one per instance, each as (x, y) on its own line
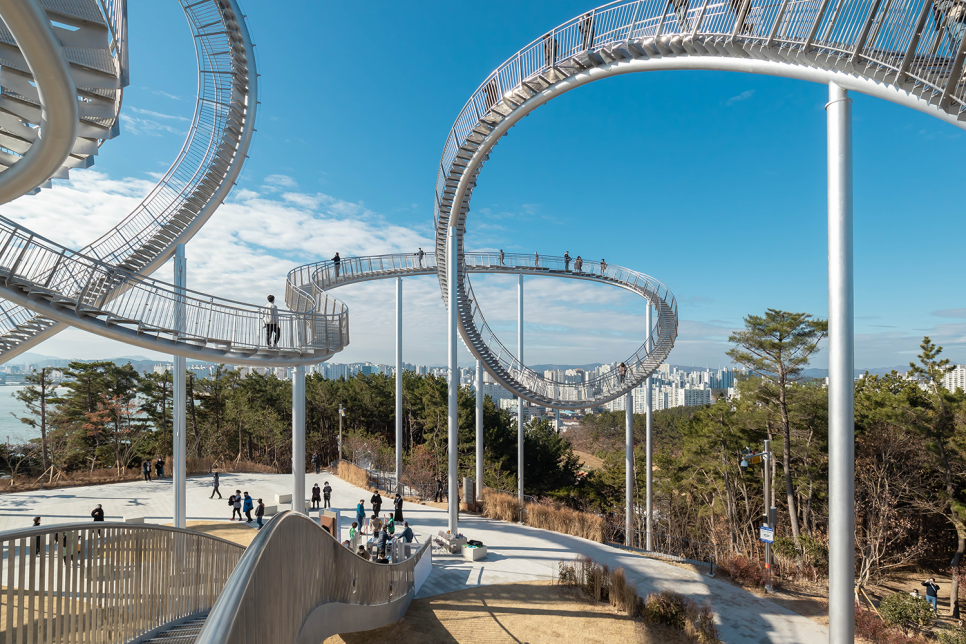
(260, 513)
(98, 513)
(381, 541)
(272, 330)
(355, 535)
(327, 495)
(159, 468)
(249, 506)
(337, 262)
(567, 260)
(375, 525)
(376, 502)
(397, 504)
(420, 255)
(316, 461)
(146, 470)
(438, 496)
(316, 496)
(361, 515)
(236, 504)
(932, 593)
(214, 484)
(407, 533)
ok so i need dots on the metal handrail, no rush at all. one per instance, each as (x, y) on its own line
(892, 44)
(94, 289)
(203, 172)
(305, 283)
(64, 582)
(273, 590)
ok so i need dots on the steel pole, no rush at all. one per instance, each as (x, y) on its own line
(341, 413)
(298, 439)
(479, 431)
(520, 400)
(399, 383)
(629, 469)
(454, 380)
(841, 364)
(649, 446)
(179, 470)
(767, 522)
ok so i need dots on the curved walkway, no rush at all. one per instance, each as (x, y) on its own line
(307, 285)
(515, 552)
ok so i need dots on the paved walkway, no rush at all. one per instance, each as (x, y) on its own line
(514, 552)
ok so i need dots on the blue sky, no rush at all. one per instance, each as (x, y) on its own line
(712, 182)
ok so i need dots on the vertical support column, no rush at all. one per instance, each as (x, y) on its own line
(298, 439)
(629, 468)
(841, 359)
(454, 380)
(479, 431)
(399, 383)
(180, 444)
(520, 400)
(649, 446)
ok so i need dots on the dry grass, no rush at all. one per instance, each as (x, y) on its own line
(589, 461)
(497, 505)
(103, 476)
(240, 533)
(353, 475)
(536, 613)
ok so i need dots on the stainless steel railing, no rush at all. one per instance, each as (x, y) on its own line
(292, 568)
(306, 283)
(107, 582)
(202, 174)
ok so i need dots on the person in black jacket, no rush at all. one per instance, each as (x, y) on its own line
(397, 505)
(376, 501)
(98, 513)
(327, 495)
(932, 592)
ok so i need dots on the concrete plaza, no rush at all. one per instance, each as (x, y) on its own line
(515, 552)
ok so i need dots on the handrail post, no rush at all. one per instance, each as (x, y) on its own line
(180, 447)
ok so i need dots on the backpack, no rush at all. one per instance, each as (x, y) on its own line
(231, 500)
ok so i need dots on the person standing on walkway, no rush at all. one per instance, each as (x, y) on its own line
(587, 29)
(337, 262)
(550, 49)
(578, 264)
(98, 513)
(501, 258)
(536, 260)
(316, 461)
(381, 541)
(603, 268)
(407, 533)
(376, 501)
(438, 496)
(249, 506)
(327, 495)
(316, 496)
(272, 330)
(567, 260)
(354, 536)
(236, 504)
(932, 593)
(397, 504)
(622, 372)
(146, 470)
(260, 513)
(361, 515)
(214, 484)
(37, 546)
(420, 256)
(159, 468)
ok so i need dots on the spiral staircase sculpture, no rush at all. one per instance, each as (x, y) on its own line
(909, 52)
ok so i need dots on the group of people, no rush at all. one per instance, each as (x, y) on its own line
(932, 593)
(158, 468)
(383, 532)
(242, 502)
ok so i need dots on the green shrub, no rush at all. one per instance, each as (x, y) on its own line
(900, 609)
(785, 548)
(667, 608)
(952, 636)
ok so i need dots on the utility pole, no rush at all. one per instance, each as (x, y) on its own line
(767, 532)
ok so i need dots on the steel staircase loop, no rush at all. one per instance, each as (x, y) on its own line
(312, 283)
(199, 179)
(888, 50)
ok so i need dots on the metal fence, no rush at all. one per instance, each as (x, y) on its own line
(291, 568)
(107, 582)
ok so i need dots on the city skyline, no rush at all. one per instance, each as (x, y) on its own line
(726, 246)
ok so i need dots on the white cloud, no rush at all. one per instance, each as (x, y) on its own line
(744, 96)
